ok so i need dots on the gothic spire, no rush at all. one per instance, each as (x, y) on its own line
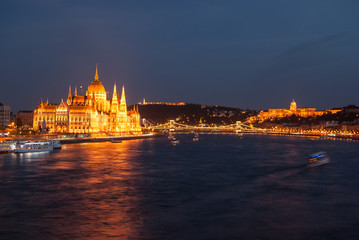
(96, 74)
(75, 94)
(114, 103)
(123, 91)
(114, 96)
(69, 97)
(123, 105)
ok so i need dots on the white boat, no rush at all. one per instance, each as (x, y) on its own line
(7, 147)
(34, 146)
(317, 159)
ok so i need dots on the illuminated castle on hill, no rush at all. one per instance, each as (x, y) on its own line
(90, 113)
(293, 110)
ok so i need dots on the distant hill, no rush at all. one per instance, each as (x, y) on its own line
(192, 113)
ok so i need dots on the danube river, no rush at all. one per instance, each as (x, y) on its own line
(222, 187)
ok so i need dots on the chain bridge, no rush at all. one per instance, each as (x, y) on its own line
(174, 126)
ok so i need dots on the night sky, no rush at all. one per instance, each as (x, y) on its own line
(247, 54)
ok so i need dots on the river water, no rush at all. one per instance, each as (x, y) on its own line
(222, 187)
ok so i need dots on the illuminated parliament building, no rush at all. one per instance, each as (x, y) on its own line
(90, 113)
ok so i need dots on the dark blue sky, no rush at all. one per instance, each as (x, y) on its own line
(248, 54)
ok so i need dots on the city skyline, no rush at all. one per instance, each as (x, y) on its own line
(256, 55)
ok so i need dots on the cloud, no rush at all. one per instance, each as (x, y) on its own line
(322, 43)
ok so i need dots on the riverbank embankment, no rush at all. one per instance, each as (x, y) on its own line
(105, 139)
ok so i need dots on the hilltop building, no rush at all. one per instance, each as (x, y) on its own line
(281, 112)
(163, 103)
(5, 117)
(90, 113)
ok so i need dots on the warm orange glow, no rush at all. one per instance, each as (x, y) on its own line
(281, 112)
(90, 113)
(106, 183)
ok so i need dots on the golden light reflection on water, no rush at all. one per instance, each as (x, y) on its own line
(88, 190)
(108, 185)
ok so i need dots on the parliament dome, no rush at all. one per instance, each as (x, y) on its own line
(96, 86)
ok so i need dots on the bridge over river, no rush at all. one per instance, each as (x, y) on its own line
(180, 127)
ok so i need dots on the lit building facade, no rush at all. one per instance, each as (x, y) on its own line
(90, 113)
(281, 112)
(4, 115)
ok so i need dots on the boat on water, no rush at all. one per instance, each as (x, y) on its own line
(317, 159)
(174, 141)
(196, 138)
(34, 146)
(116, 141)
(7, 147)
